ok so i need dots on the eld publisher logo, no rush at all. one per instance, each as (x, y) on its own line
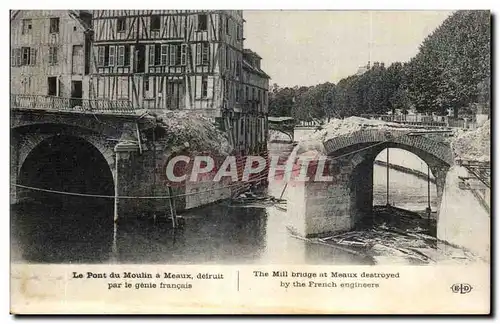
(461, 288)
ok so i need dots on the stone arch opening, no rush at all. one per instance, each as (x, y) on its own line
(363, 186)
(402, 182)
(52, 227)
(68, 164)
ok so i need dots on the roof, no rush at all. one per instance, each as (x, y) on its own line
(249, 51)
(75, 14)
(250, 67)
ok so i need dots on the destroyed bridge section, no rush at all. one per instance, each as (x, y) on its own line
(352, 145)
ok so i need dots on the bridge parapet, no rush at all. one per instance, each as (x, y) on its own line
(41, 102)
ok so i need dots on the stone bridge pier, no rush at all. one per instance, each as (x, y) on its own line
(318, 207)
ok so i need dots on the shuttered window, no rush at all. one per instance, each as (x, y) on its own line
(164, 55)
(173, 53)
(12, 57)
(32, 56)
(205, 55)
(151, 55)
(53, 55)
(183, 54)
(100, 55)
(204, 86)
(198, 54)
(202, 53)
(112, 56)
(121, 56)
(19, 57)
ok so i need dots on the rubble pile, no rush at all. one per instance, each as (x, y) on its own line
(193, 131)
(473, 145)
(399, 236)
(339, 127)
(277, 136)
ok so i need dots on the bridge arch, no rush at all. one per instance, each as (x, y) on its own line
(342, 204)
(64, 162)
(357, 152)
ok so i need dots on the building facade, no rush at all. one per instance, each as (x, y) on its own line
(163, 60)
(50, 53)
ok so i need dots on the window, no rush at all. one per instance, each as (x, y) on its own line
(100, 55)
(202, 22)
(202, 53)
(204, 86)
(13, 56)
(173, 54)
(127, 55)
(227, 56)
(106, 55)
(26, 56)
(54, 25)
(227, 25)
(112, 56)
(246, 93)
(158, 54)
(23, 56)
(237, 94)
(205, 54)
(155, 23)
(151, 55)
(164, 55)
(121, 56)
(238, 68)
(121, 25)
(52, 55)
(183, 54)
(27, 25)
(146, 84)
(19, 57)
(52, 86)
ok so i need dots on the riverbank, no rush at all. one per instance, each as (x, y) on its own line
(400, 168)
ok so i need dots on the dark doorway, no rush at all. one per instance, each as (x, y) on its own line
(141, 58)
(52, 86)
(76, 93)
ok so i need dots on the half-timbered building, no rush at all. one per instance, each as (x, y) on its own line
(50, 53)
(177, 59)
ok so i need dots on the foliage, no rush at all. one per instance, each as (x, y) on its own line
(451, 70)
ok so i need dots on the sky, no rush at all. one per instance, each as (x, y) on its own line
(312, 47)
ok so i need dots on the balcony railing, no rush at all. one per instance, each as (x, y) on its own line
(21, 101)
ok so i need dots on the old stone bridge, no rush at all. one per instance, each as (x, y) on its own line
(99, 149)
(339, 205)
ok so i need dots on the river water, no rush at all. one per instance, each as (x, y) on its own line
(82, 231)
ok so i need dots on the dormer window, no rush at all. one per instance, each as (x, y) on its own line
(202, 22)
(155, 23)
(121, 25)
